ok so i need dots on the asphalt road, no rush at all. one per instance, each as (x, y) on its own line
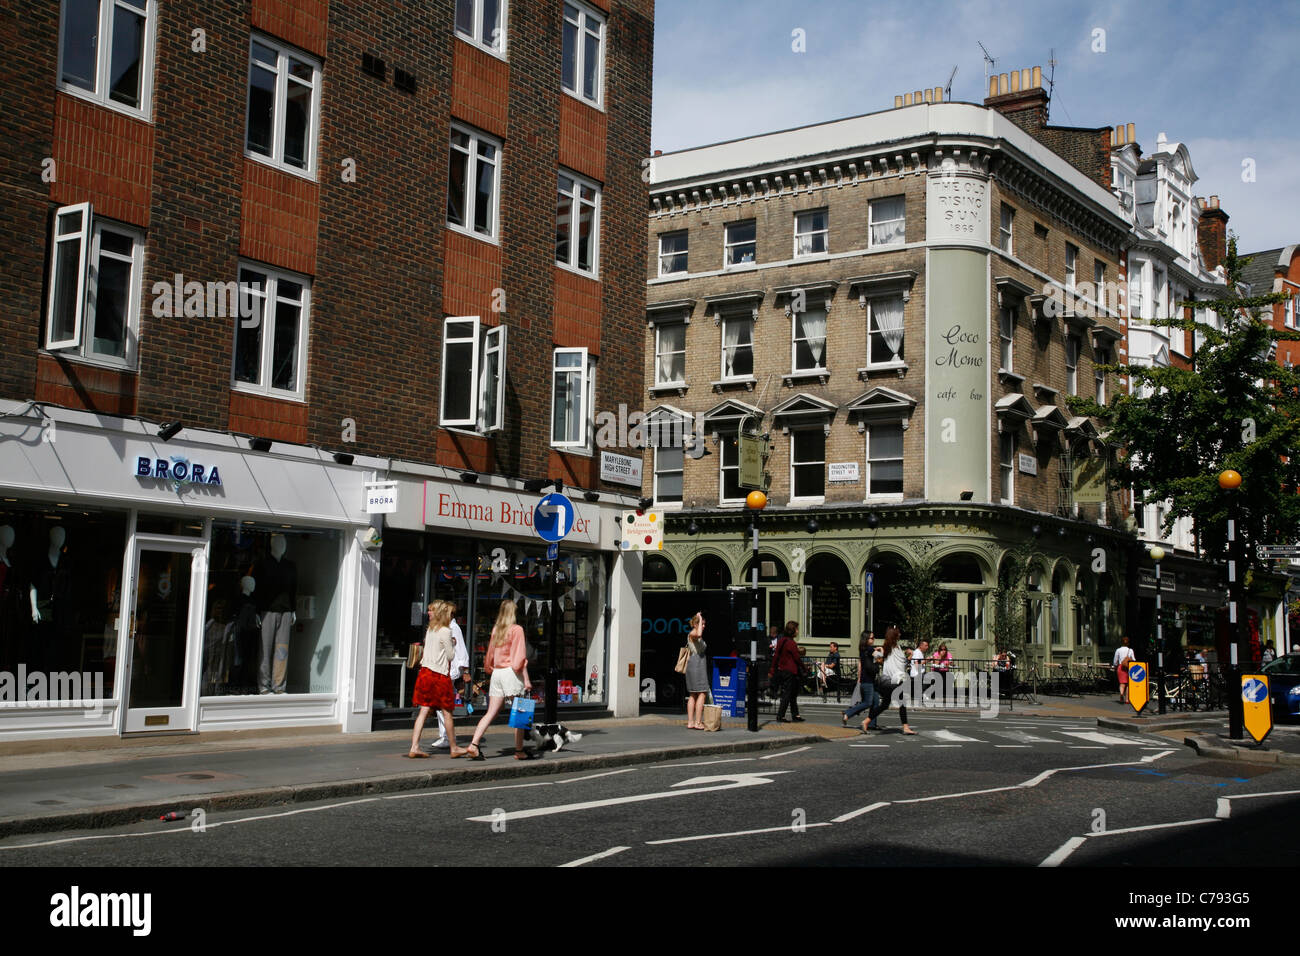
(963, 792)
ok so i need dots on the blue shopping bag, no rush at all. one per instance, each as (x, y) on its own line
(521, 713)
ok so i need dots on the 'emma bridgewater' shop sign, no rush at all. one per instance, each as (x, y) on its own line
(494, 511)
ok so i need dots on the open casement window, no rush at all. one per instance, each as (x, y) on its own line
(571, 398)
(106, 51)
(67, 307)
(473, 374)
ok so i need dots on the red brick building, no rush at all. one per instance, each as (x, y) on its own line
(254, 219)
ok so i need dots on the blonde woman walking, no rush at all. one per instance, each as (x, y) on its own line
(433, 690)
(507, 662)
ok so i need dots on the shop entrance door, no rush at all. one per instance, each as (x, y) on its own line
(164, 614)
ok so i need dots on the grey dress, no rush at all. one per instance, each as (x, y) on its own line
(697, 671)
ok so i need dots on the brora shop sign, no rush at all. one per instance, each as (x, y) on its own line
(177, 470)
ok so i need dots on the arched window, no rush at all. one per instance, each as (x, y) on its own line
(658, 570)
(771, 570)
(886, 570)
(709, 573)
(1056, 608)
(828, 598)
(962, 609)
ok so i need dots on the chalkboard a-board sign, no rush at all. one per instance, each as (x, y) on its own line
(828, 615)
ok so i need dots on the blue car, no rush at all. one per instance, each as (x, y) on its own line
(1284, 686)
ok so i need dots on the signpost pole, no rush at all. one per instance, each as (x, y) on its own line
(549, 709)
(1230, 480)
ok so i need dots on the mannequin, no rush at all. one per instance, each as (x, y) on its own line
(248, 627)
(52, 607)
(277, 596)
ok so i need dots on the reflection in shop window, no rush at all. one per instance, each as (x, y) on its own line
(271, 623)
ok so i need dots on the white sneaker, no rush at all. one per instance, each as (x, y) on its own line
(440, 744)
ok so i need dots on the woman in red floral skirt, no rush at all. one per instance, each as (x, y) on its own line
(433, 688)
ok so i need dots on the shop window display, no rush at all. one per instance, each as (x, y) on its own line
(271, 620)
(60, 592)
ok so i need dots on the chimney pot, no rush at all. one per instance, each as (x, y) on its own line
(907, 99)
(928, 94)
(1131, 137)
(1003, 85)
(1026, 75)
(1038, 76)
(1015, 81)
(993, 86)
(916, 97)
(898, 101)
(659, 152)
(938, 94)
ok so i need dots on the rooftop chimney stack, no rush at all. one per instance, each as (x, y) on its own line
(1212, 234)
(1020, 97)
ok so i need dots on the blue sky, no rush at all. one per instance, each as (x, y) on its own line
(1218, 77)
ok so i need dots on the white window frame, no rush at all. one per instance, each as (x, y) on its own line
(576, 201)
(269, 296)
(1071, 266)
(103, 63)
(283, 54)
(586, 372)
(1100, 357)
(1006, 227)
(470, 227)
(794, 434)
(795, 340)
(722, 355)
(88, 237)
(1073, 351)
(870, 426)
(723, 468)
(484, 341)
(659, 352)
(659, 499)
(1007, 339)
(806, 219)
(1290, 308)
(586, 16)
(897, 361)
(1007, 467)
(684, 253)
(495, 45)
(872, 222)
(728, 245)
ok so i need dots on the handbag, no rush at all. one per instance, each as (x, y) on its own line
(413, 655)
(683, 656)
(521, 713)
(712, 718)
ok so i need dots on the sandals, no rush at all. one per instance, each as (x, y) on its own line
(525, 755)
(472, 752)
(461, 752)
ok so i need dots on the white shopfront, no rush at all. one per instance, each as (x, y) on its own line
(190, 585)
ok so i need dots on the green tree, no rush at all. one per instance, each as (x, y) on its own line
(1009, 600)
(1235, 408)
(921, 606)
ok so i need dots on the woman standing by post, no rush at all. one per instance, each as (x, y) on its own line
(893, 674)
(507, 662)
(433, 690)
(697, 674)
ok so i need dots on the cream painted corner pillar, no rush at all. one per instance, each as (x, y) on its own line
(625, 635)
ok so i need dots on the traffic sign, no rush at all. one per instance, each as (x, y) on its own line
(1257, 712)
(1138, 690)
(871, 582)
(552, 551)
(1266, 552)
(553, 517)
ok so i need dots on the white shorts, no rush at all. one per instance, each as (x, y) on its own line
(505, 683)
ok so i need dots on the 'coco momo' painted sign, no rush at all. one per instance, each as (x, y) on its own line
(177, 470)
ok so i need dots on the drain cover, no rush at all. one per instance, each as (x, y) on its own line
(197, 776)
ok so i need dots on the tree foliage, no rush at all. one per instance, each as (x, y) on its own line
(1235, 408)
(1010, 599)
(921, 607)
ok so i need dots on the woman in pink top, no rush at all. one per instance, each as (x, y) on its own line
(507, 662)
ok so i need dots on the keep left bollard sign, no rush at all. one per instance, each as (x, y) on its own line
(1257, 713)
(1138, 691)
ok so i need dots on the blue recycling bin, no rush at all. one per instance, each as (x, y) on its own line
(729, 675)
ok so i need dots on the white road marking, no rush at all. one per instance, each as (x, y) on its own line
(1156, 826)
(1012, 747)
(857, 813)
(784, 753)
(593, 776)
(596, 856)
(720, 836)
(949, 736)
(1225, 807)
(1109, 740)
(704, 763)
(1063, 851)
(886, 746)
(958, 746)
(1022, 737)
(1085, 747)
(732, 782)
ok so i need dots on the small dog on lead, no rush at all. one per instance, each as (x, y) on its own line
(553, 735)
